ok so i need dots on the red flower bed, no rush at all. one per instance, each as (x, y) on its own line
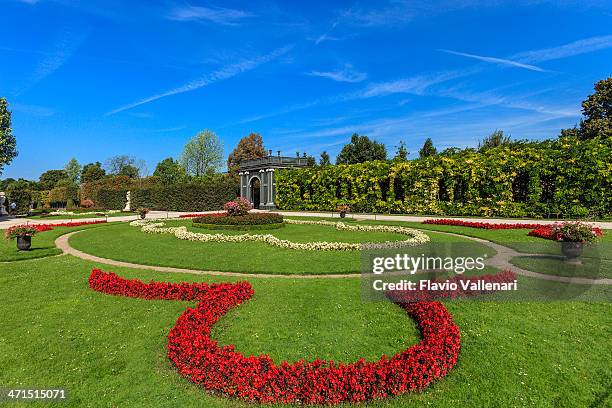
(49, 227)
(199, 215)
(425, 295)
(483, 225)
(550, 232)
(257, 379)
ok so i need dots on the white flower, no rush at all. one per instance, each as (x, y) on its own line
(416, 237)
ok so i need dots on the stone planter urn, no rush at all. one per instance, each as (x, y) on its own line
(143, 216)
(24, 242)
(342, 214)
(572, 251)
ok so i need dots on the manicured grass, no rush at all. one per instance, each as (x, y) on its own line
(516, 239)
(590, 267)
(126, 243)
(42, 244)
(110, 351)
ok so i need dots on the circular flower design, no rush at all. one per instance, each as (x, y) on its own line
(416, 237)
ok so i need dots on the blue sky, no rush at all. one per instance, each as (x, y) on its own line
(92, 79)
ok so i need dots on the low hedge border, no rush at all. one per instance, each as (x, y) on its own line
(238, 227)
(240, 220)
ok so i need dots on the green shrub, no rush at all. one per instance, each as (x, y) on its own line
(248, 219)
(239, 227)
(111, 199)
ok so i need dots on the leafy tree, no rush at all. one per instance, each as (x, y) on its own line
(597, 112)
(401, 154)
(8, 143)
(116, 164)
(73, 170)
(361, 149)
(92, 172)
(203, 154)
(324, 161)
(428, 149)
(311, 161)
(496, 139)
(130, 171)
(50, 178)
(450, 151)
(169, 171)
(249, 147)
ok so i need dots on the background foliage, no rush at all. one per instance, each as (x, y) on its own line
(566, 177)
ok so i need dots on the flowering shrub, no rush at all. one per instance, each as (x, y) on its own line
(568, 232)
(238, 206)
(20, 231)
(483, 225)
(343, 208)
(416, 237)
(196, 215)
(223, 370)
(87, 203)
(247, 219)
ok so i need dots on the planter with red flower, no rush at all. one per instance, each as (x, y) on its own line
(143, 211)
(343, 209)
(573, 236)
(23, 234)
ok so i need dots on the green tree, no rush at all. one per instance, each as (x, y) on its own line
(401, 154)
(116, 165)
(8, 143)
(249, 147)
(50, 178)
(169, 171)
(428, 149)
(92, 172)
(361, 149)
(73, 170)
(324, 160)
(597, 112)
(203, 154)
(130, 171)
(496, 139)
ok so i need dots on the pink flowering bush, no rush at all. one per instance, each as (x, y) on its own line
(238, 206)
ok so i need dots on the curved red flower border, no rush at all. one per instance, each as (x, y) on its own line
(49, 227)
(481, 225)
(257, 379)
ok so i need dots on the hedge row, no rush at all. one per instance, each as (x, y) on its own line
(565, 177)
(200, 196)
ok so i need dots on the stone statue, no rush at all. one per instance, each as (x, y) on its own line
(128, 204)
(2, 204)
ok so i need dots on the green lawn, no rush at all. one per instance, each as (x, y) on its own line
(590, 268)
(126, 243)
(110, 351)
(42, 244)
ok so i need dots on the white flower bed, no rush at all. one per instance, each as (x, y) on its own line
(416, 237)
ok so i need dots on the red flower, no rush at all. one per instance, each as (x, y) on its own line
(258, 379)
(483, 225)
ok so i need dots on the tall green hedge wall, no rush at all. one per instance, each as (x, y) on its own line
(562, 178)
(200, 196)
(197, 196)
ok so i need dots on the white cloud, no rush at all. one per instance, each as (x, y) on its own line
(584, 46)
(219, 15)
(219, 75)
(346, 74)
(499, 61)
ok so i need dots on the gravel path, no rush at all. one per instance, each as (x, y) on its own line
(500, 260)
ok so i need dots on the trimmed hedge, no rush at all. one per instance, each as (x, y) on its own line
(200, 196)
(565, 177)
(240, 220)
(239, 227)
(112, 199)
